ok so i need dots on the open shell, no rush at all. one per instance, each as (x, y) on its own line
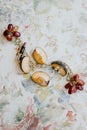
(39, 55)
(41, 78)
(24, 64)
(59, 66)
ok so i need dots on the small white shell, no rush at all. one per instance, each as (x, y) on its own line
(25, 64)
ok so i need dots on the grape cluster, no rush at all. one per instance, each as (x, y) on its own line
(74, 84)
(11, 31)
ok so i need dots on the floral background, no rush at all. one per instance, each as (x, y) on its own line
(60, 28)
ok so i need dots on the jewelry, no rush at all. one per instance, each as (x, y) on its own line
(40, 57)
(74, 83)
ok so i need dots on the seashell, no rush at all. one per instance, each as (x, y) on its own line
(59, 66)
(39, 55)
(24, 64)
(41, 78)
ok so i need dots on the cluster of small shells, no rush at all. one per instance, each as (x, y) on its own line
(39, 55)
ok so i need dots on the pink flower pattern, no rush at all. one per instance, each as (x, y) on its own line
(70, 116)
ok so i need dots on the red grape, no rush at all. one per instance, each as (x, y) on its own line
(9, 37)
(68, 85)
(76, 77)
(5, 33)
(79, 87)
(10, 27)
(72, 90)
(17, 34)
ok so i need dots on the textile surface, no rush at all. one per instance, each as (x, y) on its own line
(60, 28)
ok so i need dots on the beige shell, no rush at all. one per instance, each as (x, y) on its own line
(41, 78)
(25, 65)
(39, 55)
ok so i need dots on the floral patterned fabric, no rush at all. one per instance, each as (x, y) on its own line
(60, 28)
